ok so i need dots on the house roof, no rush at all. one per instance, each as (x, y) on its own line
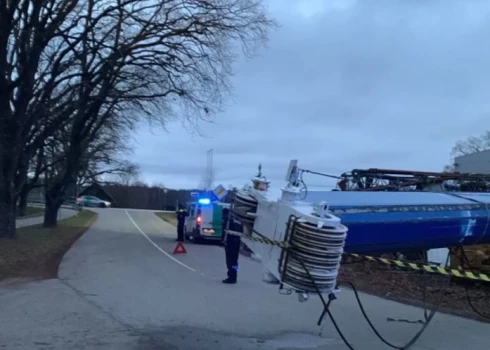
(98, 187)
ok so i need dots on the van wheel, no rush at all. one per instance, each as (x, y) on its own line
(196, 239)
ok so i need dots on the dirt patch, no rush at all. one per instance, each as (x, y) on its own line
(37, 251)
(32, 212)
(449, 295)
(171, 218)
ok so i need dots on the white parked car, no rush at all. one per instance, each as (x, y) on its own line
(92, 201)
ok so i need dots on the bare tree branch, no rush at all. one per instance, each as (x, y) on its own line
(472, 144)
(74, 68)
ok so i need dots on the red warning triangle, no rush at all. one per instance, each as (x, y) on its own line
(179, 249)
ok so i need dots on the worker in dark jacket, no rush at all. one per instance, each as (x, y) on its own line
(232, 245)
(181, 215)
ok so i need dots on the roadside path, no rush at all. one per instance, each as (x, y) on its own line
(64, 213)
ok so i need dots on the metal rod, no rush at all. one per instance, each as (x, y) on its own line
(285, 252)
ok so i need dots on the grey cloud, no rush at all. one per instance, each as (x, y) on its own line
(374, 84)
(178, 168)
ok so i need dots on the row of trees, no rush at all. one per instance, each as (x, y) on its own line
(139, 195)
(143, 196)
(76, 76)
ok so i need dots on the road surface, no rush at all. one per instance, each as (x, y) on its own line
(120, 288)
(35, 220)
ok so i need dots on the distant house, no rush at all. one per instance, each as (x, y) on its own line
(98, 191)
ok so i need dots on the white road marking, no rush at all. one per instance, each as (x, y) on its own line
(148, 210)
(156, 245)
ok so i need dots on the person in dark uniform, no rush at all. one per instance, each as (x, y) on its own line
(232, 245)
(181, 215)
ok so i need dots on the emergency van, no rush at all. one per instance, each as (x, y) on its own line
(204, 220)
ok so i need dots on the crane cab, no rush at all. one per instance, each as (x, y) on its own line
(205, 220)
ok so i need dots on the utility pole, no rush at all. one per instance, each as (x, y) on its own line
(209, 170)
(165, 190)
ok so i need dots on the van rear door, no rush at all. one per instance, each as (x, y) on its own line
(207, 228)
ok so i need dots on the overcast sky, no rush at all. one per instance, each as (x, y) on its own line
(343, 84)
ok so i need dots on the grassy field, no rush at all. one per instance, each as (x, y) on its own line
(171, 218)
(32, 211)
(37, 251)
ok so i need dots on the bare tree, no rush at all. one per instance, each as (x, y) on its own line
(472, 144)
(155, 53)
(103, 156)
(26, 28)
(123, 178)
(158, 184)
(26, 181)
(117, 169)
(95, 63)
(106, 155)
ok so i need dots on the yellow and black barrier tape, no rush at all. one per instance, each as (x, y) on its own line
(426, 268)
(398, 263)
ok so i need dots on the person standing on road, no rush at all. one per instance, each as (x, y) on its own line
(232, 245)
(181, 215)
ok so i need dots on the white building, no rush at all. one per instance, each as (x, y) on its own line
(478, 162)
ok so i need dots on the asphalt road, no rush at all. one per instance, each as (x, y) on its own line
(120, 288)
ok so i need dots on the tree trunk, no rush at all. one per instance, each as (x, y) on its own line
(52, 206)
(7, 208)
(22, 205)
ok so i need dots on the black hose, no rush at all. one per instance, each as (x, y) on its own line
(337, 328)
(373, 328)
(302, 182)
(465, 260)
(363, 311)
(428, 318)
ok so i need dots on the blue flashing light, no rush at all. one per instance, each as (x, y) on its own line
(204, 201)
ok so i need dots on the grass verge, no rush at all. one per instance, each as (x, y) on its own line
(32, 212)
(171, 218)
(37, 251)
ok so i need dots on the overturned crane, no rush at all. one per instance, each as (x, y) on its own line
(300, 235)
(300, 243)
